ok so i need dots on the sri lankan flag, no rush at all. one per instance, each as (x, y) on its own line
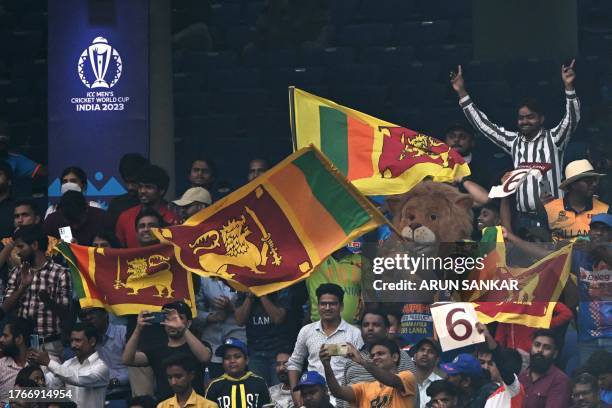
(539, 285)
(378, 157)
(126, 281)
(272, 232)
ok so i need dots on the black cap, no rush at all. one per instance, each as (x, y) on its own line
(429, 340)
(180, 307)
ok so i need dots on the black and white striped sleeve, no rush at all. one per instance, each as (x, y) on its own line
(561, 133)
(501, 137)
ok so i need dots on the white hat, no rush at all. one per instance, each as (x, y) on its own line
(576, 170)
(194, 194)
(70, 187)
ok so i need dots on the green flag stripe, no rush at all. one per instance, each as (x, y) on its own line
(347, 211)
(77, 284)
(334, 137)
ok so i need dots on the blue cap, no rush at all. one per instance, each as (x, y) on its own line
(463, 364)
(604, 218)
(310, 378)
(232, 342)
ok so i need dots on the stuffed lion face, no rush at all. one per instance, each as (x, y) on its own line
(432, 213)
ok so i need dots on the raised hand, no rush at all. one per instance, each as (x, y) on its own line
(354, 354)
(143, 318)
(568, 75)
(457, 82)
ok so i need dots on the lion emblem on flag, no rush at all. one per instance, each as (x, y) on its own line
(139, 279)
(239, 251)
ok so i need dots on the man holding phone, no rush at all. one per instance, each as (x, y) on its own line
(180, 340)
(39, 289)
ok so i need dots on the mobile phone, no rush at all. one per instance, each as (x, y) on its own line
(65, 234)
(35, 341)
(156, 317)
(340, 349)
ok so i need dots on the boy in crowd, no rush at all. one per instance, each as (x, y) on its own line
(180, 371)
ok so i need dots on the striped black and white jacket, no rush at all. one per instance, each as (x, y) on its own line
(547, 147)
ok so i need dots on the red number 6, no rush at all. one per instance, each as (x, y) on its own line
(450, 325)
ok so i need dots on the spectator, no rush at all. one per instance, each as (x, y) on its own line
(180, 371)
(202, 174)
(344, 269)
(85, 375)
(152, 186)
(31, 372)
(39, 289)
(129, 167)
(443, 394)
(590, 261)
(547, 145)
(398, 389)
(146, 220)
(223, 390)
(141, 401)
(488, 216)
(504, 367)
(395, 325)
(72, 179)
(7, 204)
(465, 373)
(192, 201)
(257, 167)
(313, 389)
(281, 393)
(180, 341)
(110, 345)
(14, 344)
(215, 300)
(268, 329)
(568, 217)
(426, 355)
(330, 329)
(83, 220)
(600, 365)
(374, 328)
(105, 239)
(585, 392)
(545, 384)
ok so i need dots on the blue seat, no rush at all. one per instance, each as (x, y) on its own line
(386, 55)
(364, 34)
(328, 56)
(422, 32)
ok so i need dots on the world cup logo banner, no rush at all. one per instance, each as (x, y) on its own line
(94, 64)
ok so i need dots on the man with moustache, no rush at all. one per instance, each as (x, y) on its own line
(585, 391)
(129, 166)
(14, 344)
(426, 355)
(281, 393)
(545, 385)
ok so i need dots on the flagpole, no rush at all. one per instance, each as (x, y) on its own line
(292, 116)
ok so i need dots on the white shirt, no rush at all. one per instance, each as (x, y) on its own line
(280, 397)
(309, 342)
(423, 397)
(87, 381)
(507, 396)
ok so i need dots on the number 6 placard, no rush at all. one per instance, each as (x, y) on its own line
(455, 324)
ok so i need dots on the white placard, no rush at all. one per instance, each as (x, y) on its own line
(455, 324)
(517, 176)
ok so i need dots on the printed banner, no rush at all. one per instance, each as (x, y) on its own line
(517, 176)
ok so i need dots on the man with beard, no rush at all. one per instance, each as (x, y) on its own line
(531, 143)
(313, 389)
(39, 289)
(14, 344)
(545, 385)
(426, 355)
(281, 393)
(153, 184)
(465, 373)
(374, 328)
(568, 217)
(585, 392)
(85, 375)
(180, 340)
(129, 166)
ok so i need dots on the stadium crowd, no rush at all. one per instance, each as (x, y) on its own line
(287, 349)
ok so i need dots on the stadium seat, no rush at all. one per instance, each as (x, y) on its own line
(242, 100)
(423, 32)
(368, 99)
(416, 72)
(385, 55)
(352, 74)
(364, 34)
(328, 56)
(236, 78)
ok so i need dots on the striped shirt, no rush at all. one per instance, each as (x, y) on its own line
(52, 278)
(547, 147)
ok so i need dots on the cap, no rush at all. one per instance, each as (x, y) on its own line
(426, 340)
(180, 307)
(463, 364)
(576, 170)
(232, 342)
(310, 378)
(70, 187)
(193, 195)
(603, 218)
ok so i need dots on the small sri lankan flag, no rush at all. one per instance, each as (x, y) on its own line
(126, 281)
(378, 157)
(272, 232)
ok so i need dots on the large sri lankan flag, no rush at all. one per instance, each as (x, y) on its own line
(540, 284)
(272, 232)
(378, 157)
(126, 281)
